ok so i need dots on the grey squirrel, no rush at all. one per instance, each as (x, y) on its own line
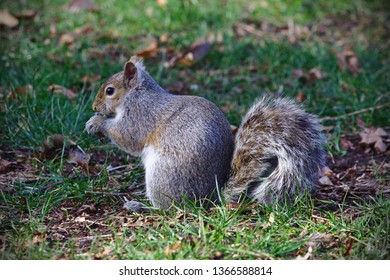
(188, 150)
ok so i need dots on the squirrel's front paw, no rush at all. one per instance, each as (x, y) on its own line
(94, 124)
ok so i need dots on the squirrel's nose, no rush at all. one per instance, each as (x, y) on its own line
(94, 106)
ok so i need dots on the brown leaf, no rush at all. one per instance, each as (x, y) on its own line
(67, 39)
(7, 19)
(349, 244)
(26, 14)
(368, 136)
(79, 219)
(4, 165)
(315, 74)
(77, 6)
(380, 146)
(307, 255)
(90, 79)
(151, 50)
(374, 137)
(232, 205)
(52, 146)
(87, 28)
(298, 74)
(325, 181)
(381, 132)
(345, 143)
(78, 157)
(349, 61)
(164, 38)
(172, 248)
(57, 89)
(20, 91)
(326, 171)
(55, 141)
(37, 239)
(316, 238)
(196, 52)
(360, 122)
(300, 96)
(271, 220)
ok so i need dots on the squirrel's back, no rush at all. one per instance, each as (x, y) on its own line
(278, 152)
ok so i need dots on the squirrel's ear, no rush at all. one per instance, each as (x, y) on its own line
(130, 73)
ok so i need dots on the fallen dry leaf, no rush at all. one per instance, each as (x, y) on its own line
(326, 171)
(20, 91)
(172, 248)
(298, 73)
(57, 89)
(368, 136)
(300, 96)
(345, 143)
(67, 39)
(312, 76)
(325, 181)
(86, 28)
(349, 61)
(349, 245)
(316, 238)
(7, 19)
(90, 79)
(78, 157)
(315, 74)
(380, 146)
(37, 239)
(374, 137)
(196, 52)
(271, 220)
(151, 50)
(54, 141)
(360, 122)
(4, 165)
(26, 14)
(164, 38)
(79, 219)
(381, 132)
(52, 145)
(307, 255)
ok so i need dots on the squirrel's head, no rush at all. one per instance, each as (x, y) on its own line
(112, 92)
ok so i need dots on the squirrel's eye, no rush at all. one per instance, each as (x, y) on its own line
(110, 90)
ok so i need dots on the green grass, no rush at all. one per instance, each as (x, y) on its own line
(233, 74)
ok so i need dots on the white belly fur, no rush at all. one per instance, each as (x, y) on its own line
(149, 158)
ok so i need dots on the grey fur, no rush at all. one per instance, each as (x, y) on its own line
(186, 143)
(278, 152)
(191, 139)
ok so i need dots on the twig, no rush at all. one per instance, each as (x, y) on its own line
(107, 193)
(50, 185)
(91, 237)
(355, 113)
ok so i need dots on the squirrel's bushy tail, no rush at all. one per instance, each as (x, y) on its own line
(278, 152)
